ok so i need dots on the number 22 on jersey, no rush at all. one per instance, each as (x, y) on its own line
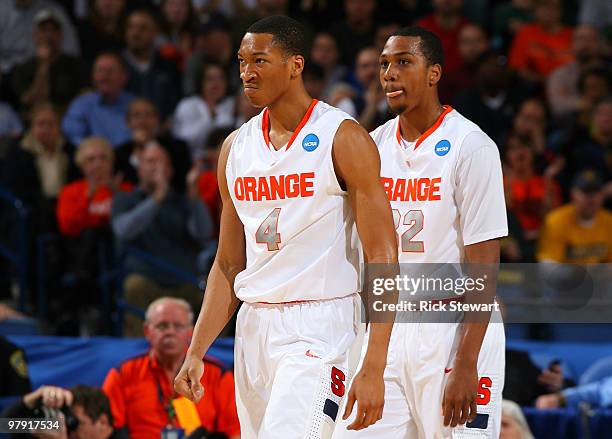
(267, 233)
(414, 220)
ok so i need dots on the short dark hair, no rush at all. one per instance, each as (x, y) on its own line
(94, 401)
(430, 44)
(286, 32)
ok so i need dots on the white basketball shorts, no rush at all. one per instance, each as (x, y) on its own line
(293, 363)
(421, 356)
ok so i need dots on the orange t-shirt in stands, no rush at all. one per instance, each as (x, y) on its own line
(527, 197)
(541, 52)
(133, 393)
(76, 212)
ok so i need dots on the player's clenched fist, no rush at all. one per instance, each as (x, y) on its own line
(187, 382)
(368, 390)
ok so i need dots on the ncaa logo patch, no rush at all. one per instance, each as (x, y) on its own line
(310, 142)
(442, 147)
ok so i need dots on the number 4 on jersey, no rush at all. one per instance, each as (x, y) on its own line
(267, 233)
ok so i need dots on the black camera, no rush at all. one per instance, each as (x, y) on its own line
(43, 412)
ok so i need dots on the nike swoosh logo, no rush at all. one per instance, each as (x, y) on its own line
(310, 354)
(447, 370)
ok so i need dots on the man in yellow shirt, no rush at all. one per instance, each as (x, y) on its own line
(579, 232)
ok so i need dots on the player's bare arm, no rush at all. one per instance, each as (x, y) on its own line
(220, 302)
(459, 402)
(357, 164)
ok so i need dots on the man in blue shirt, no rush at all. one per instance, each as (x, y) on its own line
(101, 112)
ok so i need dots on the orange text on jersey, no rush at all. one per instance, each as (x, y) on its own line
(274, 187)
(412, 189)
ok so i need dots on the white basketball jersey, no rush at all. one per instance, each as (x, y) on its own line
(445, 189)
(297, 219)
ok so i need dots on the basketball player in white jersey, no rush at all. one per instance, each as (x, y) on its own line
(292, 179)
(443, 177)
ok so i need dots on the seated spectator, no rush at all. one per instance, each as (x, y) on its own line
(314, 80)
(89, 406)
(562, 85)
(494, 99)
(101, 112)
(39, 165)
(324, 52)
(83, 215)
(529, 126)
(589, 146)
(371, 102)
(50, 75)
(103, 30)
(212, 43)
(196, 116)
(208, 187)
(541, 47)
(178, 22)
(145, 125)
(86, 204)
(356, 30)
(529, 196)
(141, 389)
(594, 84)
(13, 369)
(579, 232)
(524, 382)
(508, 19)
(16, 24)
(513, 422)
(597, 394)
(446, 22)
(472, 43)
(149, 74)
(170, 226)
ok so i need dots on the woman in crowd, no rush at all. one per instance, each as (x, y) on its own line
(196, 116)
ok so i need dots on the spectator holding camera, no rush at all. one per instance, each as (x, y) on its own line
(85, 411)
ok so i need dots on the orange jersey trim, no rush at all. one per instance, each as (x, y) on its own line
(265, 124)
(446, 109)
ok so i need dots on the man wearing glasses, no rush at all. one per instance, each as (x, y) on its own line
(141, 392)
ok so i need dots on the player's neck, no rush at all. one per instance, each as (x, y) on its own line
(415, 122)
(288, 111)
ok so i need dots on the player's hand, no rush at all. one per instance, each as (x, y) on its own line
(368, 391)
(460, 393)
(187, 382)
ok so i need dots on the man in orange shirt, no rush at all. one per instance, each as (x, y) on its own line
(141, 392)
(541, 47)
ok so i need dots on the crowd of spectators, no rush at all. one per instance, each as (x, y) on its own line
(534, 75)
(112, 113)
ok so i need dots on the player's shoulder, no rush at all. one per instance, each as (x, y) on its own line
(470, 136)
(324, 113)
(385, 130)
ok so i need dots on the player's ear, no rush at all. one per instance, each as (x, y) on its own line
(435, 73)
(297, 65)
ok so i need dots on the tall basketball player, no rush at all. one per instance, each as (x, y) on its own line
(292, 181)
(443, 178)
